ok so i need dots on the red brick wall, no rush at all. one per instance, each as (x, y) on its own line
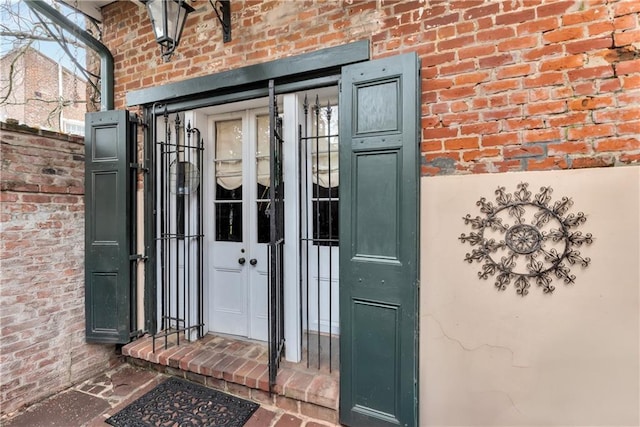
(42, 320)
(507, 85)
(35, 96)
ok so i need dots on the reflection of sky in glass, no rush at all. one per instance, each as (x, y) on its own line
(16, 16)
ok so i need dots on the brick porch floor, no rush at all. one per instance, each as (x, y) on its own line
(91, 402)
(240, 367)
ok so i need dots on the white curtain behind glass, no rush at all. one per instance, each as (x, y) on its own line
(262, 150)
(228, 160)
(324, 154)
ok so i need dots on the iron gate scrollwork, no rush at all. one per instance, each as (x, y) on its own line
(276, 242)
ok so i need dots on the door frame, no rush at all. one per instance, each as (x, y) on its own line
(302, 72)
(305, 71)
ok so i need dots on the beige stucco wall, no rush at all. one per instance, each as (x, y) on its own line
(570, 358)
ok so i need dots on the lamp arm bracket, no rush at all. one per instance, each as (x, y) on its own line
(222, 8)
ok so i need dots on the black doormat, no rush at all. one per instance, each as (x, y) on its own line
(180, 403)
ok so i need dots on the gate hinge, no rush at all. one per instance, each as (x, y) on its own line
(138, 257)
(138, 167)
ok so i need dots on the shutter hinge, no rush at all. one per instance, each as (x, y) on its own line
(138, 167)
(138, 257)
(134, 118)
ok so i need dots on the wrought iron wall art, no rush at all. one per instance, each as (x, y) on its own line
(526, 239)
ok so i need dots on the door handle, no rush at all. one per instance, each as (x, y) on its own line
(241, 261)
(253, 261)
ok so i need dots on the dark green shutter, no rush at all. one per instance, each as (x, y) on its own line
(109, 143)
(379, 196)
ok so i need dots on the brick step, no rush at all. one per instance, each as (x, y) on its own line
(241, 368)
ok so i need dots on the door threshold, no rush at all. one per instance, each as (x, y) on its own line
(240, 366)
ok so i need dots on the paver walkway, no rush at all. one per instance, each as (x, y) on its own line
(90, 403)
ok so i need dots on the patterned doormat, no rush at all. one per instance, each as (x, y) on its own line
(180, 403)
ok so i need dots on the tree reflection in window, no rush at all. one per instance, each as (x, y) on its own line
(264, 230)
(228, 214)
(325, 215)
(325, 174)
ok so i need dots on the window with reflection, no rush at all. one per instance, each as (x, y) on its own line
(228, 173)
(325, 176)
(262, 178)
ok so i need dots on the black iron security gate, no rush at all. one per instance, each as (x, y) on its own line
(319, 204)
(276, 243)
(178, 218)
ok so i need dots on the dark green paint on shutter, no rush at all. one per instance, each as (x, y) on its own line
(109, 146)
(379, 183)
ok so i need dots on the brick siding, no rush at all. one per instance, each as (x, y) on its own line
(35, 98)
(42, 321)
(506, 85)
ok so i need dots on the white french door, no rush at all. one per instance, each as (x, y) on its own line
(236, 224)
(239, 185)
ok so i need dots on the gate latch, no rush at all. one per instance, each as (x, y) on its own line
(138, 167)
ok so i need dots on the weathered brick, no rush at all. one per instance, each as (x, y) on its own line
(461, 143)
(549, 107)
(514, 71)
(538, 26)
(523, 151)
(567, 148)
(589, 15)
(557, 8)
(548, 163)
(591, 131)
(518, 43)
(628, 67)
(592, 162)
(563, 34)
(625, 38)
(472, 155)
(626, 7)
(567, 62)
(591, 73)
(515, 17)
(476, 51)
(590, 44)
(541, 135)
(44, 234)
(628, 128)
(590, 103)
(618, 144)
(507, 138)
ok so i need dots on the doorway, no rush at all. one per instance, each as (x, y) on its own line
(378, 260)
(236, 186)
(238, 181)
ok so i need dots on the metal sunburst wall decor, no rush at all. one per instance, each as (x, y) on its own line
(526, 239)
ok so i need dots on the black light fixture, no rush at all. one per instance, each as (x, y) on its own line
(167, 19)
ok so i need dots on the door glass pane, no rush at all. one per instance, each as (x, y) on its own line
(228, 172)
(229, 222)
(325, 175)
(262, 178)
(228, 160)
(262, 155)
(264, 230)
(325, 215)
